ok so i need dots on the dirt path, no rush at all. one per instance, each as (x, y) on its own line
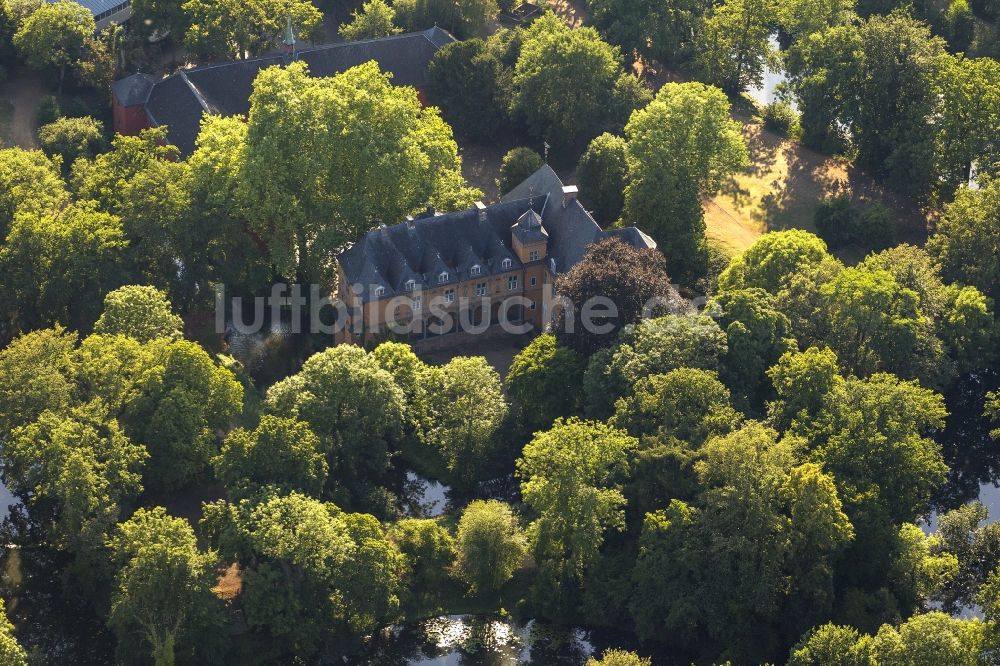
(24, 91)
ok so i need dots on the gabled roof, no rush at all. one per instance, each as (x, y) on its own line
(179, 100)
(454, 242)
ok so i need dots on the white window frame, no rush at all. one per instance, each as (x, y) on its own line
(443, 277)
(533, 279)
(512, 283)
(415, 303)
(475, 270)
(505, 264)
(449, 295)
(379, 291)
(533, 255)
(482, 289)
(410, 284)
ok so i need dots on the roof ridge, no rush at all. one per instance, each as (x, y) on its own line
(197, 93)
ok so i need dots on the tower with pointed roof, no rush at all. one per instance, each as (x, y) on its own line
(529, 240)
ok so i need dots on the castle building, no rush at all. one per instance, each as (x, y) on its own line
(466, 271)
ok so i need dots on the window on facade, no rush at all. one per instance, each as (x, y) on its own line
(443, 277)
(475, 270)
(505, 264)
(449, 295)
(532, 306)
(481, 289)
(416, 302)
(533, 255)
(409, 285)
(512, 283)
(379, 291)
(532, 281)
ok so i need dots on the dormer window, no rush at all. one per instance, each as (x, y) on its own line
(505, 264)
(379, 292)
(410, 284)
(475, 270)
(443, 277)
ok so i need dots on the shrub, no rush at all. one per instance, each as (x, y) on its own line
(836, 220)
(839, 222)
(48, 110)
(877, 229)
(781, 118)
(516, 166)
(3, 75)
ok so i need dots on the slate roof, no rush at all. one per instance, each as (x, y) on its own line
(133, 90)
(179, 100)
(421, 249)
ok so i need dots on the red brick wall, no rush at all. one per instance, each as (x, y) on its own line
(129, 120)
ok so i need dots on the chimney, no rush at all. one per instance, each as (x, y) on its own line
(481, 209)
(569, 194)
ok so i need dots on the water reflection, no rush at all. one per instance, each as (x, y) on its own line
(773, 77)
(423, 498)
(461, 640)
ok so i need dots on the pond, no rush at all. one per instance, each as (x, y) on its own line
(766, 93)
(423, 498)
(453, 640)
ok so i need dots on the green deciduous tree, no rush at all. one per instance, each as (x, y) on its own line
(515, 167)
(490, 546)
(37, 373)
(352, 404)
(374, 19)
(540, 382)
(139, 312)
(377, 154)
(11, 651)
(30, 183)
(159, 17)
(77, 471)
(685, 404)
(757, 335)
(970, 104)
(70, 138)
(563, 81)
(182, 401)
(680, 147)
(430, 552)
(733, 46)
(233, 29)
(602, 173)
(59, 265)
(569, 477)
(663, 31)
(163, 588)
(967, 239)
(471, 86)
(462, 415)
(316, 578)
(653, 346)
(279, 452)
(619, 658)
(54, 34)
